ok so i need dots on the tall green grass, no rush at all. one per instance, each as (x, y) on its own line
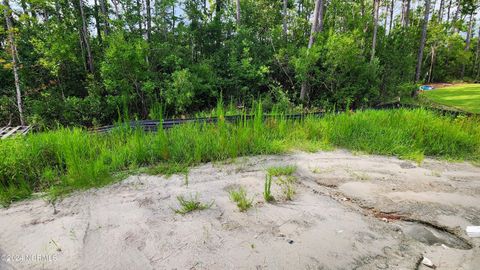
(69, 159)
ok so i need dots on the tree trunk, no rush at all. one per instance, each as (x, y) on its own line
(432, 61)
(318, 13)
(321, 15)
(407, 13)
(314, 30)
(115, 5)
(104, 10)
(97, 21)
(375, 28)
(84, 35)
(13, 52)
(448, 10)
(467, 41)
(391, 16)
(440, 10)
(455, 17)
(477, 55)
(387, 6)
(149, 20)
(285, 17)
(237, 9)
(173, 17)
(402, 18)
(418, 69)
(139, 14)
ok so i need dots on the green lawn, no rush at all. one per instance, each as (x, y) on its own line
(465, 97)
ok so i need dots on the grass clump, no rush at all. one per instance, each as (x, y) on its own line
(287, 185)
(239, 196)
(267, 193)
(282, 170)
(190, 204)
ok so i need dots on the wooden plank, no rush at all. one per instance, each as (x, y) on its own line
(5, 131)
(12, 131)
(25, 130)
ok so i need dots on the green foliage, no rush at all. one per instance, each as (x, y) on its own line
(288, 186)
(282, 170)
(353, 79)
(187, 60)
(168, 169)
(239, 196)
(267, 193)
(285, 180)
(125, 73)
(405, 133)
(191, 204)
(180, 91)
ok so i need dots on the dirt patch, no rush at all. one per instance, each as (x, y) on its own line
(348, 212)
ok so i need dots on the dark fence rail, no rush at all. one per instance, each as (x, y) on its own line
(152, 125)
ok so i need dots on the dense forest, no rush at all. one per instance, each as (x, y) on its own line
(88, 62)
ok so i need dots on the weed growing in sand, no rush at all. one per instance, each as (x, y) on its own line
(188, 205)
(288, 186)
(282, 170)
(359, 175)
(267, 193)
(239, 196)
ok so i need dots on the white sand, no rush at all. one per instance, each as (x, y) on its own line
(332, 223)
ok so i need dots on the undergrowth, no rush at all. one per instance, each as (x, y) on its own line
(267, 192)
(63, 160)
(282, 170)
(239, 196)
(190, 204)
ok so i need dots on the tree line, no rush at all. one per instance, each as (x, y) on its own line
(89, 62)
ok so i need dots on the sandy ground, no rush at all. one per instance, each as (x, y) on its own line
(349, 212)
